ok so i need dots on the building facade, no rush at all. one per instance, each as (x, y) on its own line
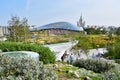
(4, 31)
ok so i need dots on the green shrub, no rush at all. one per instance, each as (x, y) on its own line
(117, 61)
(45, 55)
(96, 65)
(114, 50)
(24, 69)
(92, 41)
(113, 74)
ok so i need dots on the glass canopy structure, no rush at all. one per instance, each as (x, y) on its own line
(59, 25)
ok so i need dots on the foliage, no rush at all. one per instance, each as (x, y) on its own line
(118, 31)
(114, 49)
(47, 39)
(92, 30)
(113, 74)
(66, 71)
(96, 65)
(117, 61)
(83, 43)
(45, 54)
(24, 69)
(19, 30)
(93, 41)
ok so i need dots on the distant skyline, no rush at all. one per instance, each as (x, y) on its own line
(41, 12)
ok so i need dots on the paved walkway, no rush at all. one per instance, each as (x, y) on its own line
(60, 49)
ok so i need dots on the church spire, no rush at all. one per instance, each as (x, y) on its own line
(81, 23)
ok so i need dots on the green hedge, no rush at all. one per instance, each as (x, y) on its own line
(96, 65)
(24, 69)
(45, 54)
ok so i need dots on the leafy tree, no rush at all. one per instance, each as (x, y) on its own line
(118, 31)
(110, 35)
(19, 29)
(92, 30)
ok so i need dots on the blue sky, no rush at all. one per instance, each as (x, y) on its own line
(40, 12)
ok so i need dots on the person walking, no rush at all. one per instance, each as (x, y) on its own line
(79, 54)
(63, 57)
(71, 58)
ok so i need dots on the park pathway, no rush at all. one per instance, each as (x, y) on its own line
(60, 48)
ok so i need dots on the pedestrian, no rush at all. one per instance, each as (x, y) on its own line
(93, 55)
(79, 55)
(71, 58)
(62, 57)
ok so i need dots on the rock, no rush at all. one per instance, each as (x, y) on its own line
(60, 70)
(69, 71)
(87, 78)
(75, 74)
(55, 66)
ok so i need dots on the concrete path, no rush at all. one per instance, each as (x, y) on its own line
(60, 48)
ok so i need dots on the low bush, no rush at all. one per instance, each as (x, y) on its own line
(96, 65)
(24, 69)
(93, 41)
(113, 74)
(45, 55)
(114, 50)
(117, 61)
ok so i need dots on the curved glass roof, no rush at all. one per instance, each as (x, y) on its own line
(60, 25)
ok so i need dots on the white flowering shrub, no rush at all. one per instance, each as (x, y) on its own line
(24, 69)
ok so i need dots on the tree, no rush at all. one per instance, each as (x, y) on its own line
(118, 31)
(95, 30)
(90, 30)
(19, 30)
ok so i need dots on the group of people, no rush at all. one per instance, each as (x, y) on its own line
(74, 55)
(98, 55)
(68, 58)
